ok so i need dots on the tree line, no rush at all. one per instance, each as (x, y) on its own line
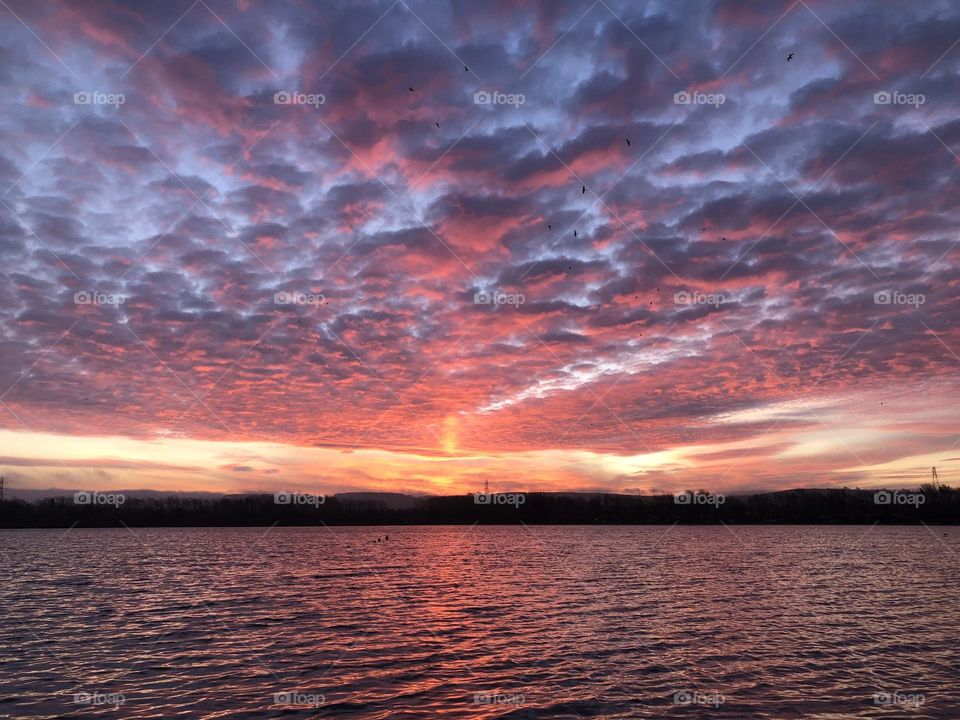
(928, 504)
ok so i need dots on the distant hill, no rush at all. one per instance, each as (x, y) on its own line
(31, 495)
(394, 501)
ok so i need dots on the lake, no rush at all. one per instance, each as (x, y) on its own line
(481, 622)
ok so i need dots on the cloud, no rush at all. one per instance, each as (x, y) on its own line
(305, 274)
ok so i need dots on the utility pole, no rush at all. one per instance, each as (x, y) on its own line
(936, 480)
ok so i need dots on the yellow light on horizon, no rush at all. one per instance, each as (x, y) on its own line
(449, 437)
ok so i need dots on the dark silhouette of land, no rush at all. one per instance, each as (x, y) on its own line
(930, 504)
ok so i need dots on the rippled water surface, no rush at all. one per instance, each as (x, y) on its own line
(478, 622)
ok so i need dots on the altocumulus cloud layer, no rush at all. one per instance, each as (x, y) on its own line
(596, 245)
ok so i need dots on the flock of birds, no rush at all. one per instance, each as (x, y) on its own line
(583, 188)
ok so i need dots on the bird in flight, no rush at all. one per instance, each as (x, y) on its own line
(584, 191)
(437, 124)
(789, 57)
(628, 141)
(549, 227)
(574, 233)
(410, 89)
(466, 69)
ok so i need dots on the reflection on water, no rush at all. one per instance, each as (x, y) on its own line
(481, 622)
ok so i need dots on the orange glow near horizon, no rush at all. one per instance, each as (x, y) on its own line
(839, 449)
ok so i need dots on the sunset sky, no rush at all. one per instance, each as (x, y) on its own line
(207, 285)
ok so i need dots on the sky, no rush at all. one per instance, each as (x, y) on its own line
(415, 245)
